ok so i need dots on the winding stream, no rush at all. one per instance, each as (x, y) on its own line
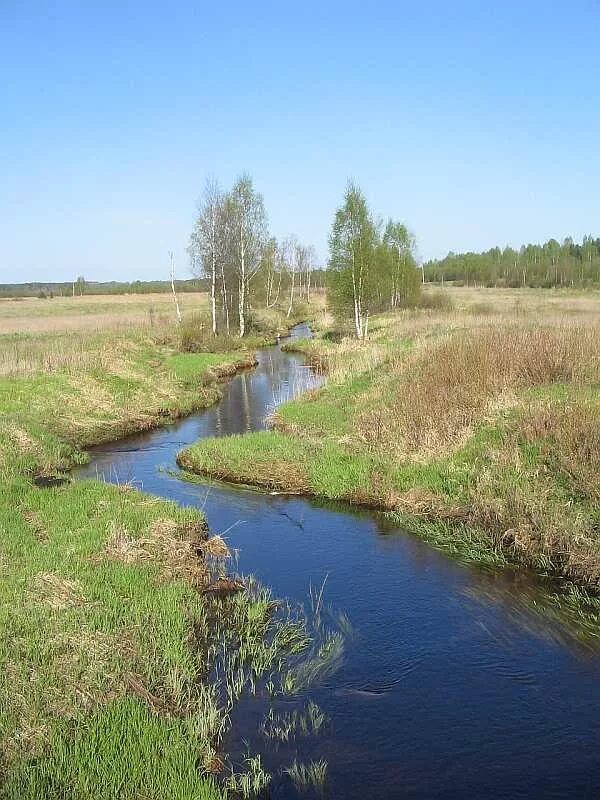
(452, 686)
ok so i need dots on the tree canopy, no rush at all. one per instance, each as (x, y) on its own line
(536, 265)
(371, 268)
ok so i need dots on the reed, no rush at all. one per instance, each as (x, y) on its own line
(308, 776)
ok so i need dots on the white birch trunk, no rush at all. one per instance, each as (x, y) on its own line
(291, 305)
(269, 288)
(242, 285)
(278, 290)
(177, 311)
(357, 316)
(225, 300)
(213, 276)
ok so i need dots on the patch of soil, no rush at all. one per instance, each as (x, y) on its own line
(49, 481)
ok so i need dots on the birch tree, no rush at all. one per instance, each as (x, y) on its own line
(208, 244)
(311, 258)
(248, 236)
(404, 276)
(352, 255)
(292, 254)
(270, 272)
(175, 300)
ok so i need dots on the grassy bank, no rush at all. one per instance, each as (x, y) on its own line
(474, 421)
(107, 643)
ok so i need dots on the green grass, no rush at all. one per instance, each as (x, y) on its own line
(332, 413)
(105, 688)
(74, 624)
(122, 751)
(138, 384)
(520, 488)
(189, 367)
(101, 692)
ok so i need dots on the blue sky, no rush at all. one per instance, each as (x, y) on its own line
(475, 123)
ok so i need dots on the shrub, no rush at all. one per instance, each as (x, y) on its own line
(436, 301)
(196, 336)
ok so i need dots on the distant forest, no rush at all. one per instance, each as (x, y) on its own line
(536, 265)
(83, 287)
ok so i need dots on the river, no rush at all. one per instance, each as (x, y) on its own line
(453, 685)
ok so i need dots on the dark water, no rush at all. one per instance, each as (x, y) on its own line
(453, 685)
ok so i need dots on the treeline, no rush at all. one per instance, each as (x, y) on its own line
(83, 287)
(535, 265)
(231, 249)
(371, 266)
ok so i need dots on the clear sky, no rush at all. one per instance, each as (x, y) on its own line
(475, 123)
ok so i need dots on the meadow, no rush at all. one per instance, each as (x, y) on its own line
(105, 689)
(94, 312)
(472, 419)
(43, 335)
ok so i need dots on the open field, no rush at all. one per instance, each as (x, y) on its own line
(544, 302)
(474, 419)
(95, 312)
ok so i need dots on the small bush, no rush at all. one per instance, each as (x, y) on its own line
(481, 309)
(436, 301)
(336, 334)
(196, 336)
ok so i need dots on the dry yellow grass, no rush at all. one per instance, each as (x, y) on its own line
(432, 397)
(44, 336)
(178, 552)
(93, 313)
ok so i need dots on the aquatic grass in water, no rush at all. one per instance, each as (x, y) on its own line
(257, 640)
(324, 661)
(250, 783)
(286, 726)
(308, 776)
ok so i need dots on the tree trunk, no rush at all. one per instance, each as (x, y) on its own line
(177, 311)
(357, 315)
(242, 286)
(278, 289)
(225, 299)
(213, 282)
(269, 288)
(213, 303)
(242, 306)
(357, 319)
(291, 305)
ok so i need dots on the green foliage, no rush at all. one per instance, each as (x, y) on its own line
(352, 245)
(536, 265)
(369, 272)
